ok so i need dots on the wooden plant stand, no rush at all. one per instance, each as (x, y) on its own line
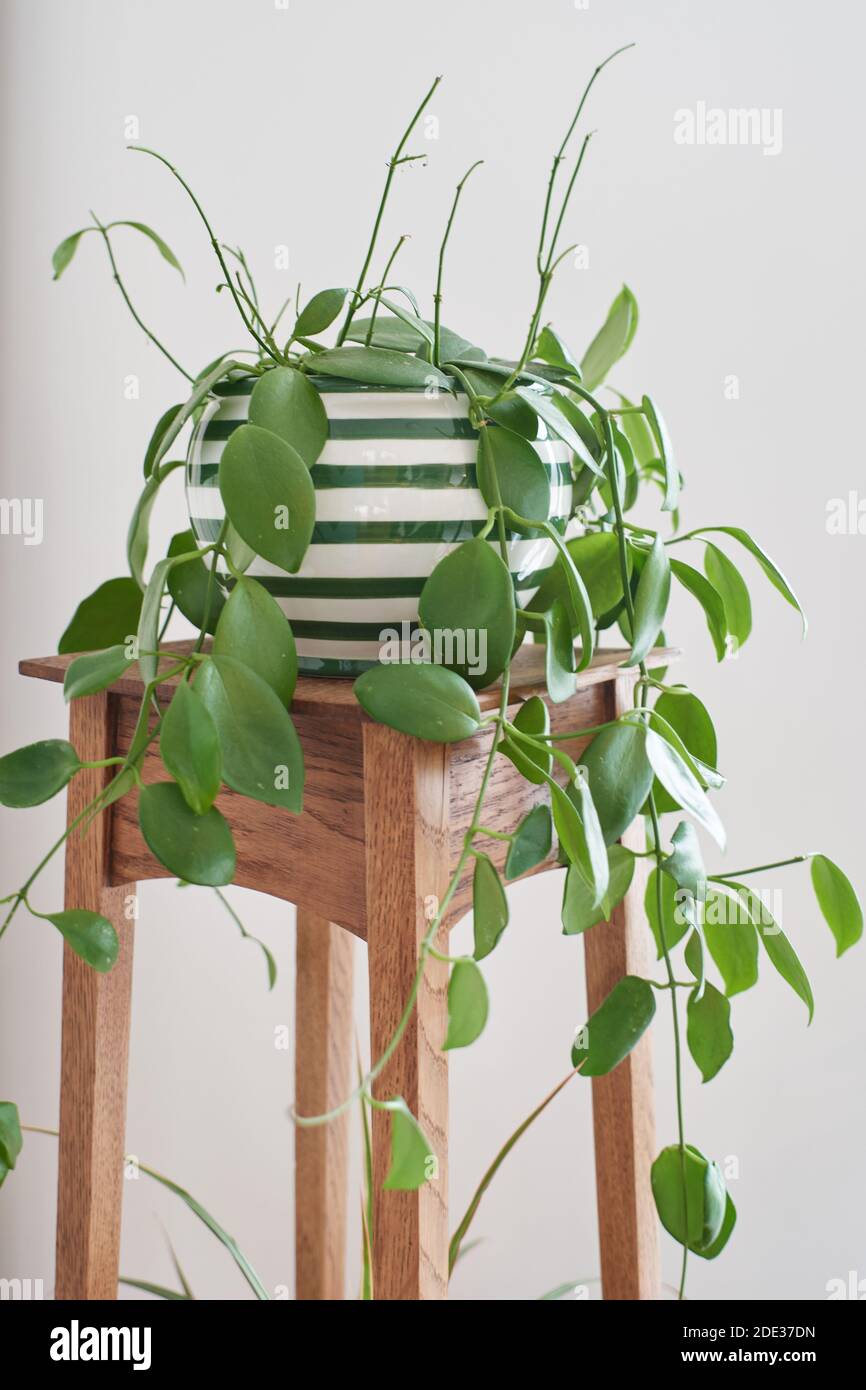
(383, 820)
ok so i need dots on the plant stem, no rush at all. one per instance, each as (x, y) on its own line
(129, 304)
(469, 1215)
(393, 162)
(653, 810)
(386, 272)
(760, 868)
(143, 149)
(560, 154)
(437, 297)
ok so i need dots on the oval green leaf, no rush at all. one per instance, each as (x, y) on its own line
(428, 702)
(838, 902)
(106, 617)
(268, 495)
(89, 935)
(467, 605)
(620, 776)
(190, 748)
(531, 843)
(468, 1005)
(286, 403)
(617, 1025)
(94, 671)
(262, 755)
(489, 906)
(255, 631)
(37, 772)
(199, 849)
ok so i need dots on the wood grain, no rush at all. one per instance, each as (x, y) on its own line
(407, 790)
(623, 1105)
(315, 860)
(95, 1042)
(323, 1078)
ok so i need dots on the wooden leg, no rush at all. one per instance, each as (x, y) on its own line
(95, 1042)
(623, 1103)
(323, 1077)
(406, 796)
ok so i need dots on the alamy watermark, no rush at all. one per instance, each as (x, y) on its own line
(715, 125)
(445, 646)
(22, 516)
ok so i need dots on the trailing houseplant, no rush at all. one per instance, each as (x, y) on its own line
(557, 468)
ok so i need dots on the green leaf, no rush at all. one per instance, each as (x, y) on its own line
(66, 250)
(709, 599)
(550, 348)
(467, 605)
(705, 1197)
(214, 1227)
(838, 902)
(90, 936)
(255, 631)
(666, 454)
(650, 603)
(560, 675)
(619, 774)
(150, 618)
(94, 671)
(138, 535)
(579, 913)
(514, 414)
(531, 843)
(219, 368)
(596, 559)
(772, 571)
(591, 845)
(729, 1221)
(190, 748)
(691, 721)
(158, 1290)
(425, 701)
(489, 906)
(107, 616)
(164, 250)
(557, 411)
(378, 367)
(532, 718)
(511, 473)
(731, 588)
(389, 333)
(37, 772)
(686, 863)
(777, 946)
(636, 429)
(189, 585)
(612, 339)
(164, 423)
(284, 402)
(682, 785)
(262, 755)
(694, 955)
(468, 1005)
(198, 848)
(268, 495)
(617, 1025)
(732, 941)
(10, 1135)
(590, 452)
(708, 1025)
(319, 313)
(412, 1159)
(674, 917)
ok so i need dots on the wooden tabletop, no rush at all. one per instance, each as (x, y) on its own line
(315, 692)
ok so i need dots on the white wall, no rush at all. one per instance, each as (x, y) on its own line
(742, 263)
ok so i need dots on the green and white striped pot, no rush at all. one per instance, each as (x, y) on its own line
(395, 492)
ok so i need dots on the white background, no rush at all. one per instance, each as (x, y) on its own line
(743, 264)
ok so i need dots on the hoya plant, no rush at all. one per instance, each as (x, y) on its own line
(229, 722)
